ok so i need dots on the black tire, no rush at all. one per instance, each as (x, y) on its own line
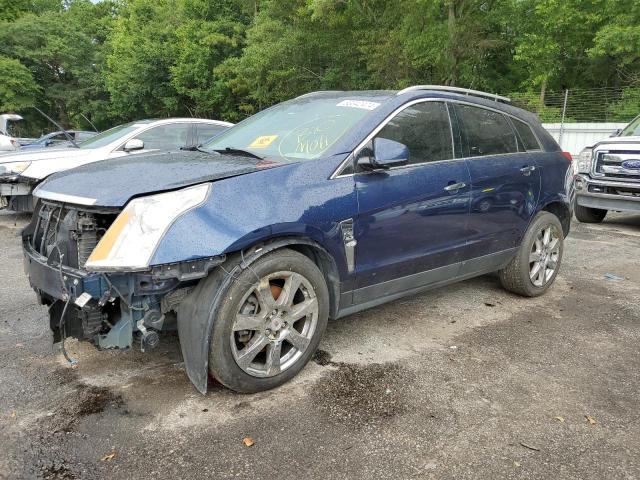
(222, 364)
(589, 215)
(515, 277)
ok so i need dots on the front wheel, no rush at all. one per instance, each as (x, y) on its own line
(269, 323)
(534, 268)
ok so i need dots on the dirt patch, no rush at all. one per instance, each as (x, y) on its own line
(65, 376)
(86, 400)
(363, 394)
(57, 472)
(322, 358)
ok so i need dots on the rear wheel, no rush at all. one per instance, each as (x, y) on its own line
(590, 215)
(269, 323)
(534, 268)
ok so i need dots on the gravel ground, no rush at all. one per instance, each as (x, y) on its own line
(463, 382)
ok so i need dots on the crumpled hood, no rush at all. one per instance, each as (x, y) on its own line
(111, 183)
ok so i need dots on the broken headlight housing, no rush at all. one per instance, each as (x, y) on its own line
(132, 239)
(585, 160)
(17, 167)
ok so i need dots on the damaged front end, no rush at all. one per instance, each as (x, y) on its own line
(109, 309)
(16, 192)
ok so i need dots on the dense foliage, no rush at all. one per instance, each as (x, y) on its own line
(118, 60)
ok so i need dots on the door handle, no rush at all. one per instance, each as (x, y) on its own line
(526, 171)
(454, 187)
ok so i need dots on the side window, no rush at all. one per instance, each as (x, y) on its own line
(84, 135)
(205, 131)
(57, 139)
(487, 132)
(425, 129)
(165, 137)
(529, 140)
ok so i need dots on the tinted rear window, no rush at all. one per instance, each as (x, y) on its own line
(526, 135)
(487, 132)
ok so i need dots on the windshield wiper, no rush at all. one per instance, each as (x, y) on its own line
(238, 151)
(66, 134)
(193, 148)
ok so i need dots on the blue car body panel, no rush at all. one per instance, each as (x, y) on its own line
(408, 223)
(295, 200)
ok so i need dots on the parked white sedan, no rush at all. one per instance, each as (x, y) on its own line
(22, 171)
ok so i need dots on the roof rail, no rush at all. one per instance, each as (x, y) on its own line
(464, 91)
(308, 94)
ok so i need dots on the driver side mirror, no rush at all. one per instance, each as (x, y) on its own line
(133, 144)
(386, 154)
(616, 133)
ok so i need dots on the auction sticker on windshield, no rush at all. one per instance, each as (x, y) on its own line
(263, 142)
(366, 105)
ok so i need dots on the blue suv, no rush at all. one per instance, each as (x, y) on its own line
(315, 208)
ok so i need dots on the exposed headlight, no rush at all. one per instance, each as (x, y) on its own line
(132, 239)
(14, 167)
(584, 160)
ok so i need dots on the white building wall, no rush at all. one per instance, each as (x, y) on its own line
(576, 136)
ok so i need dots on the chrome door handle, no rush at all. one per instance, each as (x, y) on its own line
(455, 186)
(526, 171)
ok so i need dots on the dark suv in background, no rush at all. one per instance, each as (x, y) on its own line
(315, 208)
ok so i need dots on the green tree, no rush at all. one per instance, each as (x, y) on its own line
(211, 33)
(63, 51)
(619, 40)
(18, 89)
(142, 48)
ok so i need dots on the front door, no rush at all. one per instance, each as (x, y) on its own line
(412, 223)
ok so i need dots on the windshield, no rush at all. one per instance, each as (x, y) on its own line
(111, 135)
(633, 129)
(300, 129)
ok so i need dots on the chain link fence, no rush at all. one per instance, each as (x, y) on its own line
(576, 117)
(606, 104)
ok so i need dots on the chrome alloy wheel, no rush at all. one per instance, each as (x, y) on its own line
(274, 325)
(544, 256)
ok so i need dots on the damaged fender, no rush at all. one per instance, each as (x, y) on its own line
(198, 311)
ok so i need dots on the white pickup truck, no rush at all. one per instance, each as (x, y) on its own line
(608, 176)
(7, 142)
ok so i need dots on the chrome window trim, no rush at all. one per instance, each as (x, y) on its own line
(381, 125)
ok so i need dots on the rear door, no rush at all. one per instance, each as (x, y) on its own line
(505, 180)
(412, 224)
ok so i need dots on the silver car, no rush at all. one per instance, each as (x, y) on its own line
(22, 171)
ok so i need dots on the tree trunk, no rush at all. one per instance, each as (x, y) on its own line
(543, 90)
(451, 30)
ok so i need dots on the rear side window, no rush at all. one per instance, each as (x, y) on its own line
(487, 132)
(425, 129)
(529, 140)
